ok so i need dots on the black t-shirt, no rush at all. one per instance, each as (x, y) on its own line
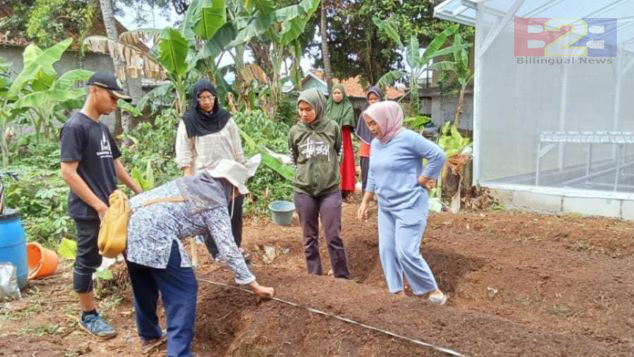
(90, 144)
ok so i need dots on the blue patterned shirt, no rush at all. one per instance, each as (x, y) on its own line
(152, 230)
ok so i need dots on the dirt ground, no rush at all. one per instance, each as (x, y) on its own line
(519, 284)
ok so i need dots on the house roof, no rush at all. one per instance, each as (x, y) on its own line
(352, 85)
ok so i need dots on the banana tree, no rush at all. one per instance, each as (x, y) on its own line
(463, 74)
(46, 105)
(39, 94)
(281, 28)
(181, 55)
(417, 59)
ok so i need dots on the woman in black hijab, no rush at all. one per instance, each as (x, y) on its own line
(206, 135)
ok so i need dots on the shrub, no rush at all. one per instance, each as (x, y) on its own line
(153, 141)
(267, 185)
(41, 197)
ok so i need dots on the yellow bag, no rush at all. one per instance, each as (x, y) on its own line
(113, 233)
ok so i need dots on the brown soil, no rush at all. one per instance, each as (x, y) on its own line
(519, 284)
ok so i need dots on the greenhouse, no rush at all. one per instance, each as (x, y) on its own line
(553, 109)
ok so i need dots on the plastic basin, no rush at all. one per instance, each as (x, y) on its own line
(282, 212)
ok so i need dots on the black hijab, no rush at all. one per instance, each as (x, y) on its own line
(197, 121)
(362, 131)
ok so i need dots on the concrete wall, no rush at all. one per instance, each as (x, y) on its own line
(443, 108)
(70, 61)
(560, 204)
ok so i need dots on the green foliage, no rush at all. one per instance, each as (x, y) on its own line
(38, 65)
(67, 249)
(127, 107)
(287, 111)
(172, 54)
(144, 179)
(455, 76)
(104, 274)
(38, 96)
(451, 141)
(417, 58)
(48, 21)
(418, 122)
(359, 48)
(268, 184)
(39, 192)
(40, 195)
(276, 34)
(211, 17)
(270, 133)
(389, 28)
(152, 150)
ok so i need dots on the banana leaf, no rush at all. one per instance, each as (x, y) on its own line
(66, 80)
(36, 61)
(173, 48)
(210, 18)
(268, 160)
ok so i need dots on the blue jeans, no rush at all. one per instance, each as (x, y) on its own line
(178, 287)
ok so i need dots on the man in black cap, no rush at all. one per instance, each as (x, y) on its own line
(90, 166)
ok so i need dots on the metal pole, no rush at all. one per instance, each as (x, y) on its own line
(563, 111)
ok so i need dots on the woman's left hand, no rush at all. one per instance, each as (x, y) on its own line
(427, 182)
(363, 213)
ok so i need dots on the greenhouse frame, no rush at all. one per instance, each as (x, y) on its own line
(553, 102)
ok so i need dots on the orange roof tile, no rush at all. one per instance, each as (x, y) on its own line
(354, 88)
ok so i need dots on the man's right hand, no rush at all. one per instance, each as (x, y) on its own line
(101, 210)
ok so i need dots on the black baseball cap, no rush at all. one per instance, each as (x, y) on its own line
(108, 81)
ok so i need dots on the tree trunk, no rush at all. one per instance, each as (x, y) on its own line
(262, 55)
(459, 107)
(325, 50)
(110, 24)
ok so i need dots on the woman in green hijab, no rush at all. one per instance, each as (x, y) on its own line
(315, 144)
(341, 111)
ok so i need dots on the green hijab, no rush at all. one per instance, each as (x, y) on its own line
(316, 100)
(342, 112)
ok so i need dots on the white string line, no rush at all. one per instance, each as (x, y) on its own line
(344, 319)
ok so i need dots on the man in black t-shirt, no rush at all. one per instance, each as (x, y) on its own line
(90, 166)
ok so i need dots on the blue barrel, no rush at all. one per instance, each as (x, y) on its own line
(13, 243)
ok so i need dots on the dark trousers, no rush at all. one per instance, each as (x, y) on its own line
(88, 258)
(178, 288)
(236, 225)
(309, 209)
(364, 162)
